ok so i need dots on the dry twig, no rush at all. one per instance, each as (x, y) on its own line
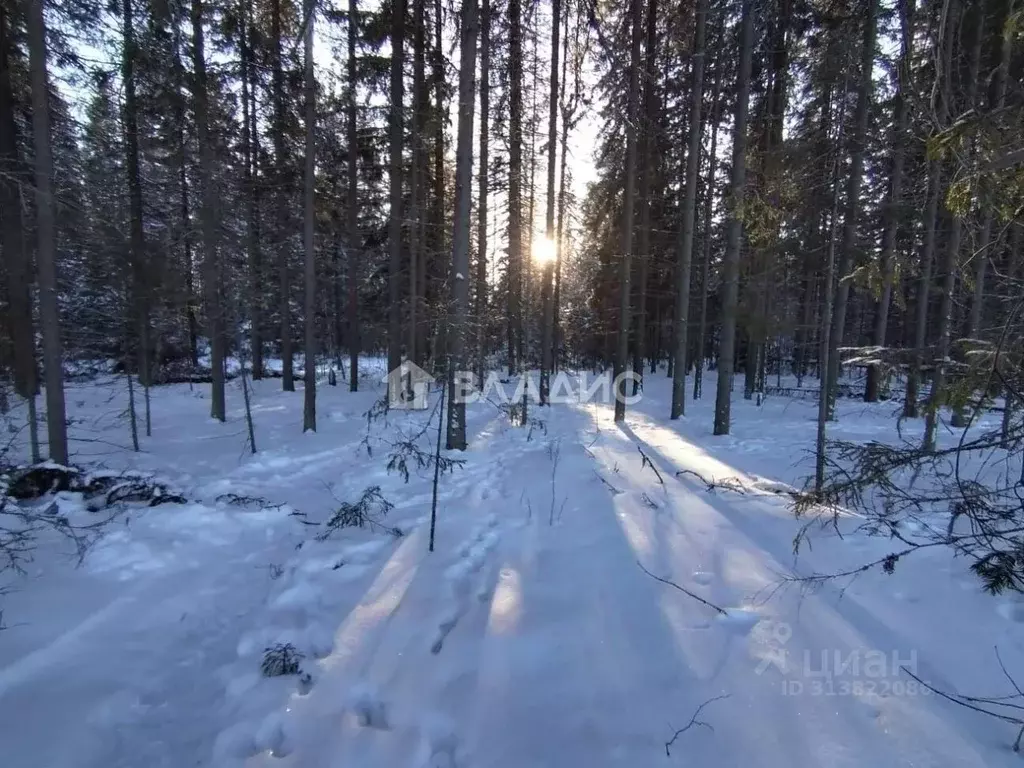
(693, 721)
(682, 589)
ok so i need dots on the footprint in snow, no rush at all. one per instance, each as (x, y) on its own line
(272, 736)
(370, 710)
(235, 742)
(439, 747)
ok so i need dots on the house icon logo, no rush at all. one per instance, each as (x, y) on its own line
(408, 386)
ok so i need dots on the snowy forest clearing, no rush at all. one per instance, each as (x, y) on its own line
(531, 636)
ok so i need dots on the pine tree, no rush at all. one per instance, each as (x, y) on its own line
(734, 225)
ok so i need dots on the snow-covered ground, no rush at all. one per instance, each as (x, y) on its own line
(530, 637)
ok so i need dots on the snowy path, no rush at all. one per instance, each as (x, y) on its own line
(571, 655)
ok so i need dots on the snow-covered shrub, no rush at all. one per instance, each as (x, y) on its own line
(969, 497)
(368, 511)
(281, 659)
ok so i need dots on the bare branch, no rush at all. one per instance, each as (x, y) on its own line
(648, 463)
(693, 721)
(682, 589)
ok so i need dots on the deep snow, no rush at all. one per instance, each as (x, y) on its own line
(530, 637)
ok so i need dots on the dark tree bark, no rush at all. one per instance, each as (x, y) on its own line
(568, 109)
(461, 227)
(184, 204)
(46, 249)
(309, 223)
(250, 152)
(352, 214)
(14, 174)
(417, 178)
(283, 198)
(985, 245)
(515, 180)
(440, 259)
(853, 202)
(629, 196)
(734, 227)
(395, 141)
(684, 257)
(706, 232)
(136, 233)
(481, 265)
(829, 292)
(649, 122)
(929, 224)
(954, 12)
(895, 202)
(208, 215)
(547, 300)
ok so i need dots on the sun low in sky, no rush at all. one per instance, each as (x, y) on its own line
(544, 250)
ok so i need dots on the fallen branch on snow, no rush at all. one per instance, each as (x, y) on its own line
(729, 484)
(693, 721)
(684, 590)
(737, 485)
(648, 463)
(979, 704)
(615, 491)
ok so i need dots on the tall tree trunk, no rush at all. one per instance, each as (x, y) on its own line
(734, 227)
(13, 174)
(895, 202)
(309, 223)
(629, 195)
(705, 266)
(395, 111)
(515, 180)
(953, 12)
(208, 215)
(284, 201)
(439, 258)
(46, 249)
(853, 202)
(768, 254)
(250, 152)
(461, 229)
(352, 213)
(417, 177)
(647, 144)
(685, 254)
(137, 237)
(567, 115)
(824, 356)
(924, 282)
(421, 158)
(481, 265)
(982, 255)
(184, 205)
(547, 335)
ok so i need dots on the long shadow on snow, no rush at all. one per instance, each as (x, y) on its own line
(584, 661)
(834, 612)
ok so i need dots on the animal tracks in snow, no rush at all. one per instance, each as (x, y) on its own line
(301, 611)
(472, 553)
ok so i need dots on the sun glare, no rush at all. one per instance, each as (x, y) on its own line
(544, 250)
